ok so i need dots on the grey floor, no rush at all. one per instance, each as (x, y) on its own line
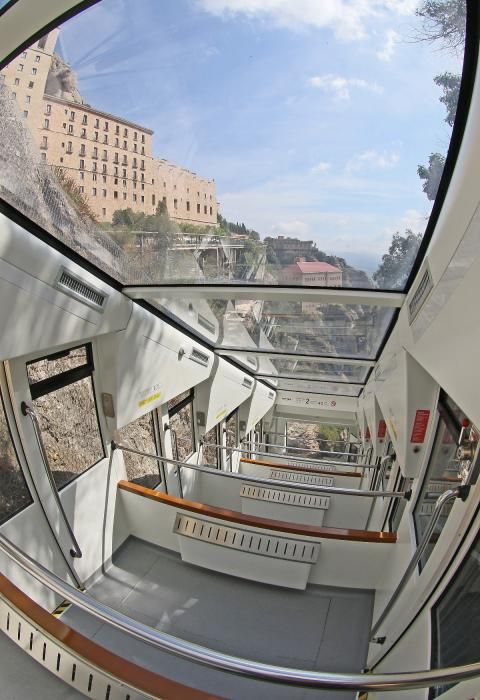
(23, 678)
(320, 628)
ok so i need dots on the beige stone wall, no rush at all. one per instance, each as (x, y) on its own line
(110, 158)
(322, 279)
(189, 198)
(26, 76)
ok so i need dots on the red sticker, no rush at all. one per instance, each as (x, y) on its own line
(420, 424)
(367, 433)
(382, 429)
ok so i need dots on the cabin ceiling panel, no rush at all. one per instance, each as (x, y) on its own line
(316, 387)
(316, 371)
(348, 331)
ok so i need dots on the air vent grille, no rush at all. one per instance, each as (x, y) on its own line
(205, 323)
(297, 478)
(422, 291)
(200, 357)
(77, 288)
(248, 383)
(285, 498)
(246, 540)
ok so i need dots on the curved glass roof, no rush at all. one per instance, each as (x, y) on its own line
(219, 144)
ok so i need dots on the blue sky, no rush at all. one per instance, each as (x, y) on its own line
(311, 115)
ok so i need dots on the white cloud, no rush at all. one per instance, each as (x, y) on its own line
(372, 159)
(339, 86)
(320, 168)
(294, 228)
(346, 18)
(391, 40)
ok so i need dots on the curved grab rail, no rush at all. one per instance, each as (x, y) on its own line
(227, 662)
(28, 411)
(309, 460)
(297, 449)
(264, 480)
(450, 495)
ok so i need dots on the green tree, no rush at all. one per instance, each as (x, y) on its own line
(77, 198)
(432, 175)
(123, 217)
(450, 82)
(443, 21)
(395, 267)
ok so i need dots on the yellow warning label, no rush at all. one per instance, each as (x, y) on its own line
(149, 399)
(222, 413)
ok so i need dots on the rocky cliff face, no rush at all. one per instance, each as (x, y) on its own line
(62, 81)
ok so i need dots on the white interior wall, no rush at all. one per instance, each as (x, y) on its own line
(341, 562)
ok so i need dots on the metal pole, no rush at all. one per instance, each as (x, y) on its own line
(450, 495)
(75, 551)
(300, 449)
(233, 664)
(265, 480)
(379, 480)
(178, 470)
(318, 462)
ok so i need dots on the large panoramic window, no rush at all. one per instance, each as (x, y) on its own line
(305, 163)
(337, 120)
(14, 493)
(61, 386)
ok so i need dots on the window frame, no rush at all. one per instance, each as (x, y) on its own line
(63, 379)
(19, 463)
(60, 381)
(155, 423)
(229, 450)
(444, 419)
(176, 408)
(434, 623)
(216, 428)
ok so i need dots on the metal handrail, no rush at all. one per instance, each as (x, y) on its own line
(295, 437)
(263, 480)
(380, 474)
(234, 664)
(319, 462)
(28, 411)
(298, 449)
(450, 495)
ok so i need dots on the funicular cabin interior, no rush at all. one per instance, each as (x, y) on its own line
(217, 481)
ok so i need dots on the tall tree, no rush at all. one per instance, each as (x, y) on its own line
(432, 175)
(443, 21)
(450, 82)
(395, 267)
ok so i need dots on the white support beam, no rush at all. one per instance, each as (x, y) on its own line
(333, 295)
(25, 18)
(279, 355)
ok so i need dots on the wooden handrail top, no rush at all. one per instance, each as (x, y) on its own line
(234, 516)
(91, 652)
(315, 470)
